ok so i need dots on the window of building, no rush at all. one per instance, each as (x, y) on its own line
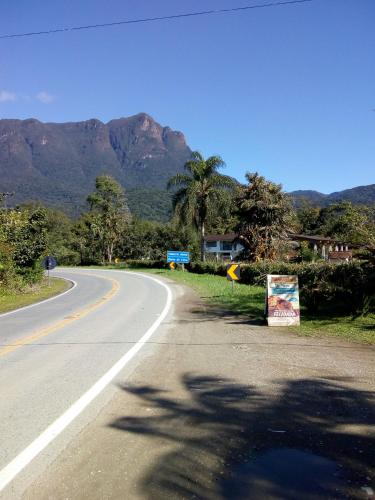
(210, 244)
(226, 245)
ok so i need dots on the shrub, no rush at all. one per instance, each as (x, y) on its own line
(31, 275)
(347, 287)
(208, 268)
(9, 280)
(22, 243)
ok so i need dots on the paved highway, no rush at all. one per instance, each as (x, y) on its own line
(59, 361)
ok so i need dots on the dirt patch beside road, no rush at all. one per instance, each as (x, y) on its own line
(227, 409)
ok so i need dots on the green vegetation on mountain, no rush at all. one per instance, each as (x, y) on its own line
(56, 164)
(360, 195)
(150, 204)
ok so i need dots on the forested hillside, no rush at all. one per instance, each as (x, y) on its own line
(57, 163)
(360, 195)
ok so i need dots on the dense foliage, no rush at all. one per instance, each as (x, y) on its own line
(23, 240)
(150, 240)
(264, 217)
(341, 221)
(150, 203)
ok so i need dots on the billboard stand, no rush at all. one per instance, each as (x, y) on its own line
(282, 300)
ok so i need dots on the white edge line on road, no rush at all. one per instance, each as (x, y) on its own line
(10, 471)
(42, 301)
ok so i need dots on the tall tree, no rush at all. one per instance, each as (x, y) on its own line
(265, 215)
(199, 191)
(109, 214)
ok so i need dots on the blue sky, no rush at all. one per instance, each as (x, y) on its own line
(287, 91)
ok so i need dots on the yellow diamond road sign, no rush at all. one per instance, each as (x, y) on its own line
(233, 272)
(172, 265)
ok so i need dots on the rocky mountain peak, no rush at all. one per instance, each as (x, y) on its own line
(57, 163)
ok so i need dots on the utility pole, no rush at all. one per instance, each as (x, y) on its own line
(4, 197)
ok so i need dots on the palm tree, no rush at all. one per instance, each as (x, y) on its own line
(199, 191)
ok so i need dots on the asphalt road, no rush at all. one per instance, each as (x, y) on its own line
(51, 354)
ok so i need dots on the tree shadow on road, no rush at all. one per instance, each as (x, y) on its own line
(308, 439)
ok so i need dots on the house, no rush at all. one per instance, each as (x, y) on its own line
(222, 246)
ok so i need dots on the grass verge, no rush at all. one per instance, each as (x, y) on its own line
(11, 301)
(360, 329)
(249, 300)
(218, 291)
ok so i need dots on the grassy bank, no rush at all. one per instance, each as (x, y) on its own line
(10, 301)
(249, 300)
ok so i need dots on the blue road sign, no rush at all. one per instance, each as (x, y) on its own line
(178, 257)
(49, 263)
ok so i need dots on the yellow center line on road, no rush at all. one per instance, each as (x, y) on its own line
(64, 322)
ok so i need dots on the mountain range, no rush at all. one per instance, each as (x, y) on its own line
(360, 195)
(57, 163)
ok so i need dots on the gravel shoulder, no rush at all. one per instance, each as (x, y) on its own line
(217, 407)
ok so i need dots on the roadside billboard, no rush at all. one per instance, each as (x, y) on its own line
(282, 300)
